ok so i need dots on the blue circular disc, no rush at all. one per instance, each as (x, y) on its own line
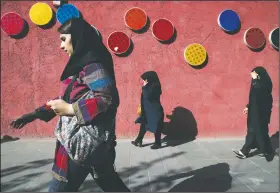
(66, 12)
(229, 21)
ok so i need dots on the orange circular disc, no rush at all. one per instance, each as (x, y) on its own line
(135, 18)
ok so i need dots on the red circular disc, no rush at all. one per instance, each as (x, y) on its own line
(12, 23)
(118, 42)
(254, 38)
(163, 29)
(135, 18)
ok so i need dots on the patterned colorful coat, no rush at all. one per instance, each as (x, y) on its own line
(93, 78)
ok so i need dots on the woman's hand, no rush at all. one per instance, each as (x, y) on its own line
(245, 111)
(61, 107)
(21, 121)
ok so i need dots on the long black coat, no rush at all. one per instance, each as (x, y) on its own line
(151, 109)
(259, 107)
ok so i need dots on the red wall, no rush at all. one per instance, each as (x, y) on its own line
(216, 94)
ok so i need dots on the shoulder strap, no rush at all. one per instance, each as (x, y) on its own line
(66, 96)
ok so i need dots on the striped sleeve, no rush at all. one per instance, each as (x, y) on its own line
(45, 113)
(99, 81)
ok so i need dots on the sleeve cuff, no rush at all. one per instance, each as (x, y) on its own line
(78, 113)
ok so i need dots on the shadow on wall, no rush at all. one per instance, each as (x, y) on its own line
(7, 138)
(181, 128)
(51, 23)
(171, 40)
(214, 178)
(204, 64)
(23, 33)
(128, 52)
(145, 28)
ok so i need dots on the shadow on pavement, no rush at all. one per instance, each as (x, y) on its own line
(214, 178)
(19, 176)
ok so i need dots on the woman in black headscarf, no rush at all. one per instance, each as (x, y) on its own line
(89, 72)
(259, 112)
(152, 115)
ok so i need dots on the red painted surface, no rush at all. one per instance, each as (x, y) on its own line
(216, 94)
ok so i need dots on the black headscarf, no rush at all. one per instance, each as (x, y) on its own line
(264, 82)
(87, 48)
(153, 80)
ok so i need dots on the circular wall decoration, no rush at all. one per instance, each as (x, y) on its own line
(66, 12)
(41, 13)
(274, 38)
(12, 23)
(163, 29)
(229, 21)
(118, 42)
(195, 54)
(135, 18)
(254, 38)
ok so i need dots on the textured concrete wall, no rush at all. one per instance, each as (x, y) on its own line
(216, 94)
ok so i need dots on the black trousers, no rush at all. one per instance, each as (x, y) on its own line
(143, 131)
(107, 179)
(257, 138)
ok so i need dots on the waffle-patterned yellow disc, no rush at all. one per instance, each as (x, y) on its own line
(195, 54)
(40, 13)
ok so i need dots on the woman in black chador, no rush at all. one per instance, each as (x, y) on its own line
(151, 117)
(259, 112)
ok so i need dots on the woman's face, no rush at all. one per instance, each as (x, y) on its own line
(254, 75)
(66, 43)
(144, 82)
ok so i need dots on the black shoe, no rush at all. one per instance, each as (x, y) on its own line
(155, 146)
(137, 143)
(239, 154)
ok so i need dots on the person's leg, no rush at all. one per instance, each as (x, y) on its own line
(249, 141)
(76, 175)
(158, 134)
(264, 141)
(106, 176)
(141, 134)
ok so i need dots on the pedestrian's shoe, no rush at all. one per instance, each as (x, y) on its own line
(137, 143)
(239, 154)
(155, 146)
(268, 156)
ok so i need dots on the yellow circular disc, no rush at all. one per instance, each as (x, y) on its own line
(195, 54)
(40, 13)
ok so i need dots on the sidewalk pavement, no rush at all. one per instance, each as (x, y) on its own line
(197, 166)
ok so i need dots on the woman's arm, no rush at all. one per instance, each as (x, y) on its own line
(98, 81)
